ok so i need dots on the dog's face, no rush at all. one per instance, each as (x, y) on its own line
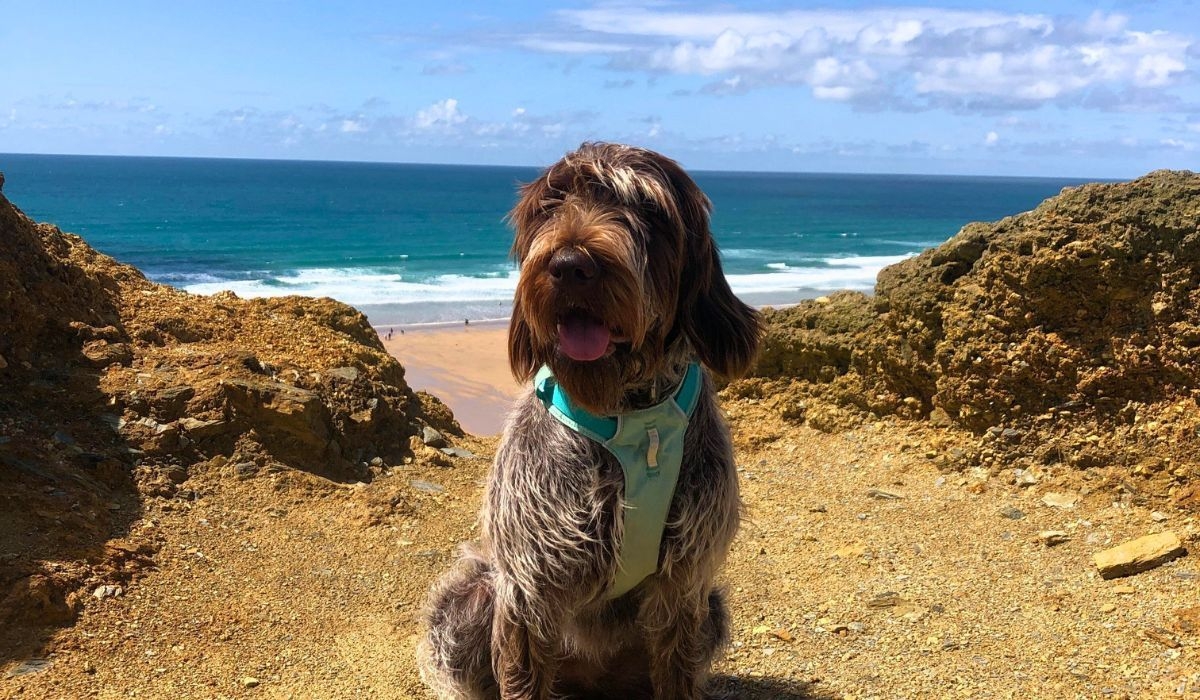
(619, 277)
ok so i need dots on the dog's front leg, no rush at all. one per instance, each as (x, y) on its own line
(523, 663)
(678, 655)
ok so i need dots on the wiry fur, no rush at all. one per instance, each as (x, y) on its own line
(524, 614)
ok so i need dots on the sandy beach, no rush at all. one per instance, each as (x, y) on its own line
(466, 366)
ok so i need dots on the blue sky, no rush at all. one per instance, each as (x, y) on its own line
(1106, 89)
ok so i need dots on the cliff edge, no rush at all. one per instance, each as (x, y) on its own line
(114, 389)
(1069, 334)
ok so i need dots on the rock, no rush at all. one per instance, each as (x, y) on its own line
(1161, 636)
(1139, 555)
(345, 374)
(426, 486)
(1051, 538)
(250, 682)
(107, 591)
(1158, 517)
(29, 666)
(203, 429)
(1055, 499)
(1023, 477)
(431, 437)
(1011, 513)
(888, 599)
(458, 452)
(883, 495)
(3, 362)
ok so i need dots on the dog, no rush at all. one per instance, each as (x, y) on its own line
(621, 292)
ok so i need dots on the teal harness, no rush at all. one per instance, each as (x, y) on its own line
(649, 445)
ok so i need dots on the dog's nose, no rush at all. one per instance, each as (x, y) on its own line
(571, 266)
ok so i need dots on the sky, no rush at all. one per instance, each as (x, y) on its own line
(1107, 89)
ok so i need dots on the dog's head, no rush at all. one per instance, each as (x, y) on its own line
(620, 277)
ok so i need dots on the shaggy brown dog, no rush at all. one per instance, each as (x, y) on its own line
(621, 288)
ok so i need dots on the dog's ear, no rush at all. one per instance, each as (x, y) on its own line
(723, 330)
(520, 345)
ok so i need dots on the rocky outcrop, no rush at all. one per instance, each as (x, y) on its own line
(113, 389)
(1074, 327)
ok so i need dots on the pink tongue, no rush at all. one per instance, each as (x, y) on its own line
(582, 338)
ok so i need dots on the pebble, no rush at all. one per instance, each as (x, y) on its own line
(250, 682)
(1158, 516)
(432, 437)
(1107, 608)
(1138, 555)
(458, 452)
(1053, 537)
(426, 486)
(1055, 499)
(107, 591)
(884, 495)
(1011, 513)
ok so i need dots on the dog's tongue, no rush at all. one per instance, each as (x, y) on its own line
(583, 338)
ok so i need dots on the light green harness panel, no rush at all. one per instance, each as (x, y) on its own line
(649, 445)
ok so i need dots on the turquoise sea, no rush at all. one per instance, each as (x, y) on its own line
(411, 244)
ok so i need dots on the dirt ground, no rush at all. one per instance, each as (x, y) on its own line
(861, 571)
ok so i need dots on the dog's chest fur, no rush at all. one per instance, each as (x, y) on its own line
(577, 541)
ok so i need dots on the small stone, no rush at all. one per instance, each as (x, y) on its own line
(818, 508)
(1107, 608)
(1055, 499)
(107, 591)
(376, 462)
(783, 634)
(458, 452)
(1011, 513)
(88, 666)
(432, 437)
(346, 374)
(1161, 636)
(1158, 516)
(887, 599)
(250, 682)
(1025, 478)
(1124, 590)
(884, 495)
(3, 362)
(29, 666)
(426, 486)
(1051, 538)
(1139, 555)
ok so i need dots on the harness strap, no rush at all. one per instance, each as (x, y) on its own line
(648, 443)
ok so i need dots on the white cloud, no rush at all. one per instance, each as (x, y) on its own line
(352, 126)
(440, 115)
(917, 57)
(992, 138)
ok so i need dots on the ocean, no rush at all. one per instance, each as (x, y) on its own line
(421, 244)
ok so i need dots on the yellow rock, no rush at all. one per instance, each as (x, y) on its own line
(1138, 555)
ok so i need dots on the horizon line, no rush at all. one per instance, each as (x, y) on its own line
(1082, 179)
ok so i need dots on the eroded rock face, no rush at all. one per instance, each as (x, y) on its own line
(1075, 326)
(112, 388)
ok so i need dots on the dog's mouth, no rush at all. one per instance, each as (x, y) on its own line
(584, 337)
